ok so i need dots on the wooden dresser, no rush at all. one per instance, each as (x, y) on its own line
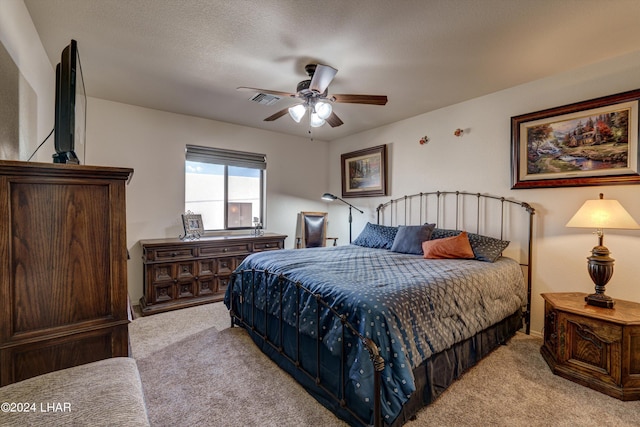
(63, 272)
(180, 274)
(593, 346)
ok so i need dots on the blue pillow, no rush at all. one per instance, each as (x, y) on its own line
(441, 233)
(376, 236)
(485, 248)
(410, 237)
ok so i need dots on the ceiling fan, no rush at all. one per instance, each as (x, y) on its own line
(314, 97)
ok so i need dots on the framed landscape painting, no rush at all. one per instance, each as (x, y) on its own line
(364, 172)
(593, 142)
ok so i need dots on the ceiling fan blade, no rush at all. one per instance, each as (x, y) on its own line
(322, 76)
(334, 120)
(361, 99)
(277, 115)
(267, 91)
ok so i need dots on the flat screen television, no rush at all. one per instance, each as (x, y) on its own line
(70, 109)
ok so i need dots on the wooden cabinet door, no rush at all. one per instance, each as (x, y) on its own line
(205, 277)
(63, 267)
(591, 346)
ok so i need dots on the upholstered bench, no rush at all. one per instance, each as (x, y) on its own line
(103, 393)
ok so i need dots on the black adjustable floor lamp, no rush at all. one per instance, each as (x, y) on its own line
(330, 198)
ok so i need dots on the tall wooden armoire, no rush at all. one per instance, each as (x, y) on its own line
(63, 267)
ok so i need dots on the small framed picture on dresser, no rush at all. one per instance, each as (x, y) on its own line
(193, 228)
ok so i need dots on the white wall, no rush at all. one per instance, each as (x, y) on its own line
(479, 161)
(152, 142)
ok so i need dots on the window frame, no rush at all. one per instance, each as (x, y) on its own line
(226, 158)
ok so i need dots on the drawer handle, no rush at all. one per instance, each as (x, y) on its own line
(175, 280)
(225, 250)
(173, 254)
(267, 245)
(197, 278)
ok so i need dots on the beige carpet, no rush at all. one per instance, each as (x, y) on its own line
(196, 370)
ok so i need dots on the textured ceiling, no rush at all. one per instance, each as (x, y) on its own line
(189, 56)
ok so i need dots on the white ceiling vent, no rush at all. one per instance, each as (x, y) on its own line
(265, 99)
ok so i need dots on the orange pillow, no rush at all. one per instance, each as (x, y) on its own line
(448, 247)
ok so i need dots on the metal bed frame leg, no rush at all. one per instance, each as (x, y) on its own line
(378, 367)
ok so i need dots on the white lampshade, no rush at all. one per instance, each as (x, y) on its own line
(602, 214)
(297, 112)
(323, 109)
(316, 121)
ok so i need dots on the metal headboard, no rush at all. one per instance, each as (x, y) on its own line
(485, 214)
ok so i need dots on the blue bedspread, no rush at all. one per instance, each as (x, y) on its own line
(410, 307)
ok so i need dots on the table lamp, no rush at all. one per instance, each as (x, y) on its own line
(601, 214)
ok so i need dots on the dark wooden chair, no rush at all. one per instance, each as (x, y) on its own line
(313, 230)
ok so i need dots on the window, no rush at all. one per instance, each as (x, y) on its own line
(226, 187)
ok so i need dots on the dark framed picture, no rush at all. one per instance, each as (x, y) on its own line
(193, 227)
(593, 142)
(364, 172)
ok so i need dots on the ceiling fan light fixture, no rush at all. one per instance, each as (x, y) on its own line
(315, 121)
(313, 94)
(323, 109)
(297, 112)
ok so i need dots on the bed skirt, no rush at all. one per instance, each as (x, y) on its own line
(432, 377)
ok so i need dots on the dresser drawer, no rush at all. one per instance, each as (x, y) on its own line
(206, 251)
(267, 246)
(168, 254)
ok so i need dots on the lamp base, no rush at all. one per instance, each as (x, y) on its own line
(600, 268)
(600, 300)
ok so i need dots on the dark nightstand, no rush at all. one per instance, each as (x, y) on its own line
(593, 346)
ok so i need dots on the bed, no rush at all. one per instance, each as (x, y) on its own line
(373, 330)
